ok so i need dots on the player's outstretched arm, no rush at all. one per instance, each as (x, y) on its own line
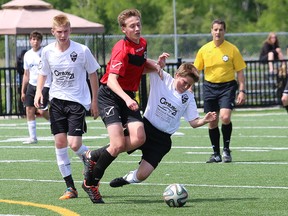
(209, 117)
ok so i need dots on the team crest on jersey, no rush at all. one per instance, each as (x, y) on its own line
(73, 56)
(40, 65)
(184, 98)
(225, 58)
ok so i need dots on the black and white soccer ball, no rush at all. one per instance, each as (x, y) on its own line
(175, 195)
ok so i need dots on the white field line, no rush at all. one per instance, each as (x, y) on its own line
(43, 123)
(17, 127)
(76, 160)
(14, 215)
(162, 184)
(47, 138)
(7, 139)
(242, 148)
(243, 127)
(46, 125)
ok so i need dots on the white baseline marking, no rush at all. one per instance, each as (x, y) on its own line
(44, 127)
(162, 184)
(14, 215)
(245, 127)
(77, 160)
(49, 138)
(244, 148)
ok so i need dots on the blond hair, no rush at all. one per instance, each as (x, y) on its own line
(61, 20)
(269, 41)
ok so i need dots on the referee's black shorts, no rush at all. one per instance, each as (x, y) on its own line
(156, 146)
(219, 95)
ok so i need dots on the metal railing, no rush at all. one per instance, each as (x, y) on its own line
(262, 90)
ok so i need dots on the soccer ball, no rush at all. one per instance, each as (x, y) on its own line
(175, 195)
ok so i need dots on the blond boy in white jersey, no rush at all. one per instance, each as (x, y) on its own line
(68, 63)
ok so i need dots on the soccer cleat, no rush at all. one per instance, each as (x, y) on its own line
(215, 158)
(93, 193)
(30, 141)
(88, 167)
(118, 182)
(70, 193)
(226, 155)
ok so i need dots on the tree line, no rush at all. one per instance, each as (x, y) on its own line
(192, 16)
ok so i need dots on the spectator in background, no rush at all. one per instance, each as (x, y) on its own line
(30, 64)
(270, 52)
(19, 63)
(20, 73)
(284, 98)
(220, 61)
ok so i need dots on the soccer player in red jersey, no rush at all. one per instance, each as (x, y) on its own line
(116, 99)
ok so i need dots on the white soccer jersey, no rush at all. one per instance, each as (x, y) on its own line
(31, 62)
(166, 106)
(69, 72)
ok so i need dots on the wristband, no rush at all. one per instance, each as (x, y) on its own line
(242, 91)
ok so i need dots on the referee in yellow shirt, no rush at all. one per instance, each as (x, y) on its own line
(220, 60)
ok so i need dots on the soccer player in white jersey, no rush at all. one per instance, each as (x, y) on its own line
(169, 100)
(30, 65)
(68, 62)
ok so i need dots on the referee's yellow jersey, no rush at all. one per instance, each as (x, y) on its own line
(219, 63)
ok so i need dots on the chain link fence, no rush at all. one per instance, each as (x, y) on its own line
(179, 46)
(249, 44)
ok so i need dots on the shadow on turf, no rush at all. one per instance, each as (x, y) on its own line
(144, 199)
(258, 161)
(151, 199)
(130, 199)
(125, 199)
(223, 199)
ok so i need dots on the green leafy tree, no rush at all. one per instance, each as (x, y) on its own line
(106, 12)
(193, 16)
(60, 5)
(272, 16)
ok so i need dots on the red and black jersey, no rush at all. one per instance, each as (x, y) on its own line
(127, 60)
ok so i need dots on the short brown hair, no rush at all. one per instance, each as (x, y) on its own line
(188, 69)
(36, 34)
(220, 22)
(60, 20)
(126, 14)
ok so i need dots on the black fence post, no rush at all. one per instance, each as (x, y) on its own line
(179, 62)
